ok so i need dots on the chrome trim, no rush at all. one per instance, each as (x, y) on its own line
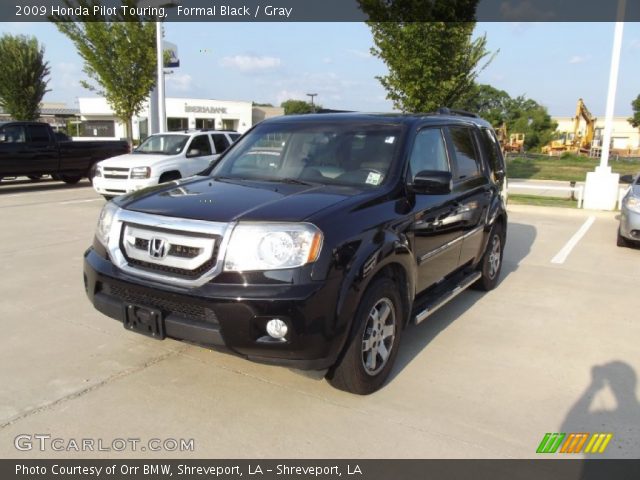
(205, 245)
(442, 248)
(461, 287)
(121, 216)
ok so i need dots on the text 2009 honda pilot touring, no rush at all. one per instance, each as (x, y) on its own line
(312, 243)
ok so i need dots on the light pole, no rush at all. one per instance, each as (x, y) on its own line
(313, 107)
(601, 186)
(162, 118)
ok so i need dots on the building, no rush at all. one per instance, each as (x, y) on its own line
(99, 120)
(625, 138)
(260, 113)
(56, 114)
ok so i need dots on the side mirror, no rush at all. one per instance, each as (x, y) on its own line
(194, 152)
(623, 178)
(432, 182)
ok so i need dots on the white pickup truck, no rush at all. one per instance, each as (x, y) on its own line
(161, 158)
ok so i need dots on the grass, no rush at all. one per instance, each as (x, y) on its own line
(567, 167)
(542, 201)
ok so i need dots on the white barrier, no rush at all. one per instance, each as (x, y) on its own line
(579, 189)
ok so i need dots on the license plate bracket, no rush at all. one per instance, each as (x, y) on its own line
(144, 320)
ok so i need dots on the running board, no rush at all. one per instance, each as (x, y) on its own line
(444, 298)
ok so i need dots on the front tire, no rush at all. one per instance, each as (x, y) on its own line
(621, 241)
(70, 179)
(371, 353)
(491, 263)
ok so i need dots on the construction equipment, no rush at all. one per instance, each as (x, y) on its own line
(510, 143)
(516, 143)
(574, 142)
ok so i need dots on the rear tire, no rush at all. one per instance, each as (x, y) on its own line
(369, 357)
(491, 263)
(70, 179)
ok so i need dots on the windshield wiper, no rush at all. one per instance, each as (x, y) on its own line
(289, 180)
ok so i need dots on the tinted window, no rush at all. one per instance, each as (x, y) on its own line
(466, 157)
(492, 147)
(13, 134)
(38, 133)
(338, 153)
(234, 136)
(201, 143)
(428, 152)
(220, 141)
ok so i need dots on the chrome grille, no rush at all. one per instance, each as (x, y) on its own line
(177, 251)
(117, 173)
(185, 254)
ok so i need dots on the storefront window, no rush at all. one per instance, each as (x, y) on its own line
(229, 124)
(98, 128)
(175, 124)
(205, 123)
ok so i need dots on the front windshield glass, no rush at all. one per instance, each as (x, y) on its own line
(338, 153)
(163, 144)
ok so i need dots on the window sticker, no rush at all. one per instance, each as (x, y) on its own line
(373, 178)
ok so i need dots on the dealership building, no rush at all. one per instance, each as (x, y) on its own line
(98, 119)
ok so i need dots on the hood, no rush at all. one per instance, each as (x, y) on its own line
(130, 160)
(203, 198)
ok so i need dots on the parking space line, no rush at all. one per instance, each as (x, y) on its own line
(69, 202)
(573, 241)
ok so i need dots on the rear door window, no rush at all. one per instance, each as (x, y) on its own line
(220, 142)
(466, 156)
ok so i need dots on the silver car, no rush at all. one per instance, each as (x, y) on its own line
(629, 231)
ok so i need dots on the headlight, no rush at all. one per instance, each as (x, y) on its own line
(633, 203)
(140, 172)
(98, 171)
(272, 246)
(104, 222)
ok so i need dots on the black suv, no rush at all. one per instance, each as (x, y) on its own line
(312, 243)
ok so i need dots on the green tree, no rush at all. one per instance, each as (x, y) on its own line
(296, 107)
(431, 63)
(527, 116)
(23, 80)
(488, 102)
(635, 120)
(119, 56)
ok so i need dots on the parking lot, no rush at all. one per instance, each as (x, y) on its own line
(553, 349)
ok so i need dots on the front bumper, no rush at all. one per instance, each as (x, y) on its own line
(629, 224)
(114, 187)
(231, 316)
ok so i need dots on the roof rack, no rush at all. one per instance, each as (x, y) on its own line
(450, 111)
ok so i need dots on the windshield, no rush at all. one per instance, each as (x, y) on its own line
(337, 153)
(163, 144)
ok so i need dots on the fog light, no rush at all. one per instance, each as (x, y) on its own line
(276, 328)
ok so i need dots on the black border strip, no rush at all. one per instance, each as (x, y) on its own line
(341, 10)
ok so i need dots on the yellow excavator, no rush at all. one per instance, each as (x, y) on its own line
(510, 143)
(572, 141)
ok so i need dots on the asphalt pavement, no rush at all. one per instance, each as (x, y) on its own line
(553, 349)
